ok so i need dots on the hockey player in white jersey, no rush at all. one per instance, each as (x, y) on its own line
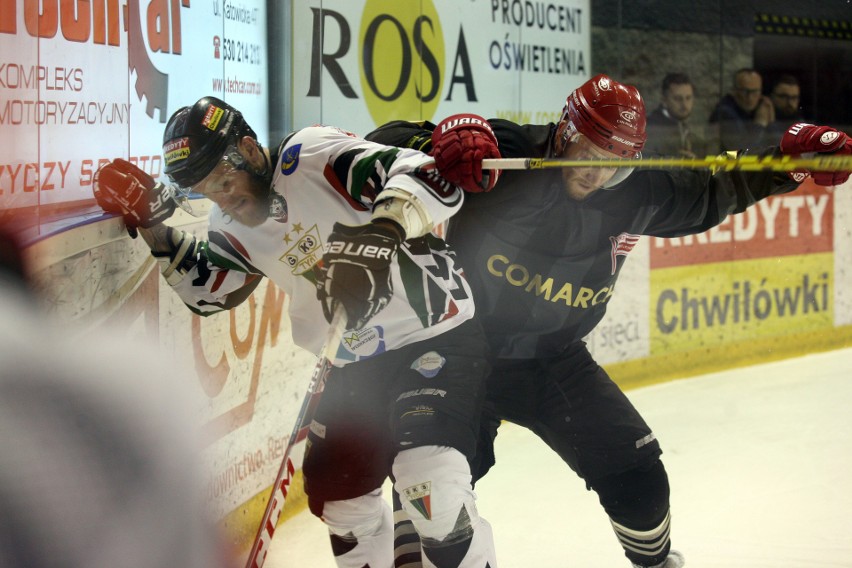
(335, 220)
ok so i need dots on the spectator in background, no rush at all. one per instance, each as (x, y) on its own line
(669, 131)
(741, 117)
(786, 95)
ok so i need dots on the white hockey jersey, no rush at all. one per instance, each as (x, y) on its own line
(327, 175)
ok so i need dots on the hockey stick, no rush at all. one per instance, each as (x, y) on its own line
(817, 163)
(270, 518)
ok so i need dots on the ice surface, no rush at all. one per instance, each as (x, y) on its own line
(759, 459)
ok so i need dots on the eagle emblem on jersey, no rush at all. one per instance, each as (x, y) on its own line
(290, 159)
(621, 246)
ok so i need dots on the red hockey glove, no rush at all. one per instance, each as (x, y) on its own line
(357, 264)
(459, 144)
(121, 187)
(804, 138)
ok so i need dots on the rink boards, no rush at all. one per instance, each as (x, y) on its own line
(771, 285)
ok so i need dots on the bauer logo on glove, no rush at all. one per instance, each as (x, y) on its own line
(357, 275)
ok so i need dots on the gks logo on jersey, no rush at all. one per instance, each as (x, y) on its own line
(306, 252)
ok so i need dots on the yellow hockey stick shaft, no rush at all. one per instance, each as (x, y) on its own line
(817, 163)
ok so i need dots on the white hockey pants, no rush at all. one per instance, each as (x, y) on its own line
(434, 485)
(361, 531)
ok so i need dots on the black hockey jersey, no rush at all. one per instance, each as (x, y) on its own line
(543, 267)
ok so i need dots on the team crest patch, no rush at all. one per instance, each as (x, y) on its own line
(278, 207)
(290, 159)
(621, 246)
(420, 497)
(429, 364)
(305, 253)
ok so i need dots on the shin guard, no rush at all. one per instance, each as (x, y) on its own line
(637, 502)
(361, 531)
(434, 487)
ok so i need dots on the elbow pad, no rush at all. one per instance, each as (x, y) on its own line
(405, 210)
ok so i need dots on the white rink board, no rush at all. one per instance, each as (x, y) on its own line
(101, 83)
(843, 254)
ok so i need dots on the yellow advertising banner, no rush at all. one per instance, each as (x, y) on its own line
(709, 305)
(767, 272)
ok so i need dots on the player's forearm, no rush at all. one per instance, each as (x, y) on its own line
(174, 250)
(157, 238)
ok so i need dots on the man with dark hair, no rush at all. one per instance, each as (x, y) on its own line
(786, 96)
(741, 117)
(543, 250)
(331, 217)
(669, 131)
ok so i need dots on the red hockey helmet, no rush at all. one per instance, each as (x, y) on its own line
(608, 113)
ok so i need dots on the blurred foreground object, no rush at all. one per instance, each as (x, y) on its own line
(98, 455)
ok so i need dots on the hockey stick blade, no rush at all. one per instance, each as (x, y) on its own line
(275, 506)
(817, 163)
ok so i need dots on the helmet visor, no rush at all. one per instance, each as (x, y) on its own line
(230, 161)
(215, 182)
(581, 148)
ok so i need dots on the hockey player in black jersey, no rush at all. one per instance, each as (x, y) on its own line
(559, 230)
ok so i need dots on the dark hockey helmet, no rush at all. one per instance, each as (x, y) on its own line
(610, 114)
(197, 137)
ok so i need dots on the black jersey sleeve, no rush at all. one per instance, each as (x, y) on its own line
(515, 140)
(404, 134)
(693, 201)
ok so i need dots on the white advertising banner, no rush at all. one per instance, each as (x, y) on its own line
(360, 63)
(85, 82)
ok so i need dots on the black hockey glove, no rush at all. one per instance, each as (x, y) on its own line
(357, 271)
(121, 187)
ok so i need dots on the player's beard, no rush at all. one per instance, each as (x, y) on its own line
(580, 187)
(254, 211)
